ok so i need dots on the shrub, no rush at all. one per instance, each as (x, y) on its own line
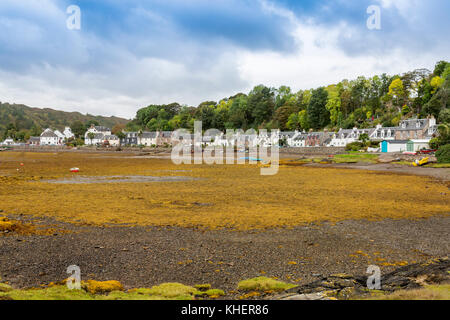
(373, 144)
(443, 154)
(434, 143)
(355, 146)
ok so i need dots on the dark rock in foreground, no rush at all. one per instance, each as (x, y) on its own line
(344, 286)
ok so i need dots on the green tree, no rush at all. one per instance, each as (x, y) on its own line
(91, 136)
(261, 104)
(293, 122)
(364, 138)
(282, 115)
(303, 120)
(334, 104)
(78, 128)
(397, 91)
(318, 114)
(121, 135)
(440, 67)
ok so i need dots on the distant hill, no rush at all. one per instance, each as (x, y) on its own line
(27, 118)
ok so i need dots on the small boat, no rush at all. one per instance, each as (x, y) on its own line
(74, 170)
(421, 162)
(250, 159)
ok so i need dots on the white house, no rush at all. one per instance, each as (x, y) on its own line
(99, 134)
(97, 138)
(384, 133)
(50, 138)
(112, 139)
(148, 139)
(61, 137)
(68, 133)
(298, 141)
(8, 142)
(346, 136)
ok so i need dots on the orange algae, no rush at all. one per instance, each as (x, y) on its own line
(100, 287)
(225, 196)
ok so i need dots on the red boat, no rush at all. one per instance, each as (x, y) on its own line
(427, 151)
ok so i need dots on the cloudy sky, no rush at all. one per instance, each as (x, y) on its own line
(129, 54)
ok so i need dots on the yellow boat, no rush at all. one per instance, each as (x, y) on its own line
(420, 163)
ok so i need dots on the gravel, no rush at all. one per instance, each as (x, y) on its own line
(146, 256)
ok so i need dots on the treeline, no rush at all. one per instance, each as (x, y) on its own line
(363, 102)
(20, 122)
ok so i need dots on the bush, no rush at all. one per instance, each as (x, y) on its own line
(434, 143)
(443, 154)
(355, 146)
(373, 144)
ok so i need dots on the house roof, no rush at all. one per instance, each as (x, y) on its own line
(397, 141)
(59, 134)
(412, 124)
(166, 134)
(102, 129)
(111, 137)
(288, 134)
(149, 135)
(300, 137)
(48, 134)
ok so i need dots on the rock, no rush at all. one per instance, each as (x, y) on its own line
(311, 296)
(387, 159)
(346, 293)
(341, 276)
(344, 286)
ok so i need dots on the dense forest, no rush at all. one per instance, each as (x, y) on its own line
(363, 102)
(20, 122)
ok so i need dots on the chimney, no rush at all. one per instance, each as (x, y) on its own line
(431, 121)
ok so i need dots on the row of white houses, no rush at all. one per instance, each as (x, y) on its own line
(48, 137)
(410, 135)
(53, 137)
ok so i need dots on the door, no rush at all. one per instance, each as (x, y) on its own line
(410, 146)
(384, 146)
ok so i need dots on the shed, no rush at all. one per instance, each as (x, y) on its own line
(388, 146)
(420, 144)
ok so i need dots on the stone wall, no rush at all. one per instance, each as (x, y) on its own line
(313, 150)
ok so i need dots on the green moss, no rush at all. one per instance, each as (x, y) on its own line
(165, 291)
(131, 295)
(264, 284)
(215, 292)
(172, 290)
(5, 288)
(203, 287)
(51, 293)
